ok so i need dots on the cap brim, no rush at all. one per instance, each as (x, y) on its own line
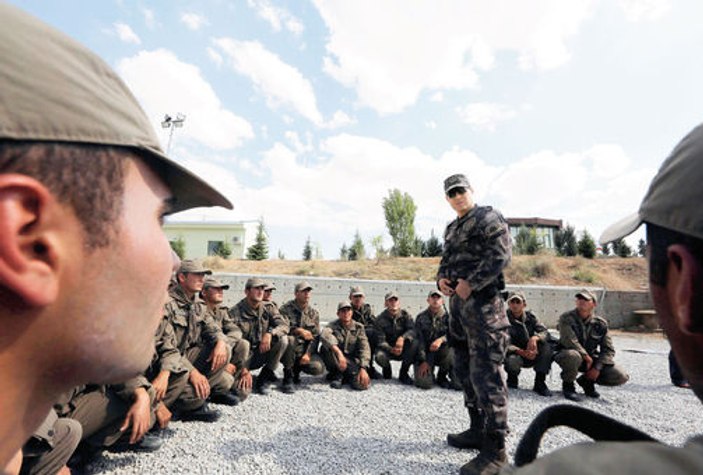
(622, 228)
(585, 296)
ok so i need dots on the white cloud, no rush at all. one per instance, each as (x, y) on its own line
(431, 124)
(649, 10)
(126, 34)
(193, 21)
(149, 18)
(297, 144)
(278, 81)
(340, 119)
(437, 97)
(164, 84)
(215, 57)
(485, 115)
(426, 47)
(276, 17)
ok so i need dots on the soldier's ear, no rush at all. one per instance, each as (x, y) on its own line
(684, 286)
(29, 241)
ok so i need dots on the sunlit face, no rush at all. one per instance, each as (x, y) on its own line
(121, 292)
(302, 297)
(254, 295)
(345, 316)
(517, 306)
(461, 200)
(584, 307)
(192, 282)
(393, 305)
(357, 301)
(435, 302)
(268, 295)
(214, 295)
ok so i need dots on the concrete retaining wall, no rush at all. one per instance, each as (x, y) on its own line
(546, 302)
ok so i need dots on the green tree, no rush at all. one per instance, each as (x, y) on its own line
(641, 248)
(179, 247)
(377, 245)
(307, 250)
(399, 209)
(527, 242)
(259, 251)
(565, 241)
(418, 245)
(281, 256)
(586, 245)
(621, 248)
(344, 253)
(357, 251)
(223, 249)
(432, 247)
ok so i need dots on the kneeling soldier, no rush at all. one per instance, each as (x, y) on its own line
(431, 327)
(528, 347)
(345, 350)
(396, 331)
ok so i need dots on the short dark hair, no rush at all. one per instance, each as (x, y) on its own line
(87, 178)
(659, 239)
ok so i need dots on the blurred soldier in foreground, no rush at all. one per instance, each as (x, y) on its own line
(477, 247)
(51, 446)
(395, 331)
(345, 350)
(585, 346)
(84, 186)
(303, 339)
(674, 218)
(529, 347)
(431, 326)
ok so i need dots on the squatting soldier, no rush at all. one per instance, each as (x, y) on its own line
(396, 339)
(529, 346)
(198, 338)
(585, 346)
(51, 446)
(363, 313)
(268, 294)
(345, 350)
(477, 247)
(213, 295)
(431, 327)
(265, 330)
(304, 337)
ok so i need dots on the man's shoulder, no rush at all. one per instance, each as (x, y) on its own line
(288, 307)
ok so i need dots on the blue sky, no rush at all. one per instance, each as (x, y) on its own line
(308, 112)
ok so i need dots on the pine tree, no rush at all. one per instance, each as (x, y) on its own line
(587, 246)
(344, 253)
(432, 247)
(641, 248)
(527, 242)
(260, 249)
(307, 250)
(357, 251)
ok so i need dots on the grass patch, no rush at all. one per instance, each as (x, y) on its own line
(585, 275)
(533, 268)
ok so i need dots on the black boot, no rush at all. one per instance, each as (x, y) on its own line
(541, 385)
(403, 375)
(287, 384)
(569, 390)
(490, 459)
(589, 387)
(373, 374)
(442, 380)
(387, 372)
(512, 380)
(262, 380)
(472, 438)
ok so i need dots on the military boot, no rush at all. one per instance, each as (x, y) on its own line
(512, 380)
(589, 387)
(287, 384)
(403, 375)
(541, 385)
(490, 459)
(442, 380)
(262, 380)
(387, 372)
(472, 438)
(569, 390)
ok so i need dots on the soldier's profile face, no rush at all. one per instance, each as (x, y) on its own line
(267, 295)
(303, 296)
(192, 281)
(516, 306)
(254, 294)
(214, 295)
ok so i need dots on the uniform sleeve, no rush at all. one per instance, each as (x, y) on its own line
(422, 332)
(606, 355)
(126, 390)
(212, 332)
(315, 327)
(363, 349)
(409, 333)
(382, 343)
(232, 332)
(567, 337)
(496, 253)
(327, 338)
(443, 271)
(541, 331)
(167, 353)
(278, 324)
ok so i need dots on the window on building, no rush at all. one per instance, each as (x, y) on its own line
(212, 247)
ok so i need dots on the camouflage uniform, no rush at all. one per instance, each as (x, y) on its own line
(51, 445)
(196, 334)
(579, 337)
(477, 247)
(354, 345)
(521, 330)
(236, 342)
(308, 319)
(389, 329)
(366, 317)
(254, 323)
(428, 328)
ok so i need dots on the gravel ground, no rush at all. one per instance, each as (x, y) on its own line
(395, 429)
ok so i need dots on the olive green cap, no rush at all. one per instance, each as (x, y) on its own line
(674, 198)
(586, 294)
(191, 266)
(517, 295)
(433, 293)
(343, 304)
(270, 286)
(303, 286)
(212, 282)
(356, 290)
(391, 295)
(254, 282)
(53, 89)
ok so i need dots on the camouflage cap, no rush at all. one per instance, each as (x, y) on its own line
(254, 282)
(586, 294)
(434, 292)
(212, 282)
(302, 286)
(270, 286)
(391, 294)
(674, 196)
(517, 295)
(356, 290)
(53, 89)
(456, 181)
(193, 266)
(343, 304)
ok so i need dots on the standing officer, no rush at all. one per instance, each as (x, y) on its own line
(477, 247)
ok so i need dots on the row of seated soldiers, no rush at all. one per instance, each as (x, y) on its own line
(206, 352)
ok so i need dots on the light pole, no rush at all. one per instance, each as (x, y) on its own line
(171, 123)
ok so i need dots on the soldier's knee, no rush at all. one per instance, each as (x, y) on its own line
(513, 363)
(382, 358)
(568, 359)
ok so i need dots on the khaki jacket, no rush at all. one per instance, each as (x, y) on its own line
(352, 341)
(588, 337)
(254, 323)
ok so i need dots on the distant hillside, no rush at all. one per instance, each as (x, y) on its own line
(613, 273)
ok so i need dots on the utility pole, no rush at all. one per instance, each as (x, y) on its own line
(171, 123)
